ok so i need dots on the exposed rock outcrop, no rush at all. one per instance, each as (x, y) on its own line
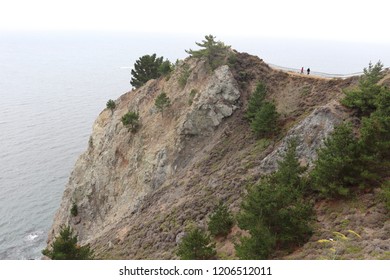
(119, 168)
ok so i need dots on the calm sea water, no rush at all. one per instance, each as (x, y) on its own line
(53, 86)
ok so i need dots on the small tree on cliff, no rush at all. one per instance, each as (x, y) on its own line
(214, 51)
(145, 68)
(261, 114)
(256, 101)
(131, 121)
(65, 247)
(162, 101)
(111, 105)
(265, 122)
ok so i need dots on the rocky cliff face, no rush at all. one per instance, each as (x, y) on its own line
(136, 192)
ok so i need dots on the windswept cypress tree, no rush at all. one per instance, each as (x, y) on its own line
(214, 51)
(145, 68)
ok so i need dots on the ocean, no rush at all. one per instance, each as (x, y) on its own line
(54, 85)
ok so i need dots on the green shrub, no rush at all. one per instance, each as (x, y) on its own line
(196, 245)
(162, 102)
(336, 169)
(277, 205)
(111, 105)
(65, 247)
(74, 210)
(221, 221)
(131, 121)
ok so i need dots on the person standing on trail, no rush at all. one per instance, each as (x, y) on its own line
(302, 70)
(308, 71)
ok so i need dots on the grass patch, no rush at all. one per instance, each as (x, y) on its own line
(305, 90)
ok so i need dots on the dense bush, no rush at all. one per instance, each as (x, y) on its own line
(65, 247)
(131, 121)
(196, 245)
(215, 52)
(149, 67)
(162, 102)
(221, 221)
(275, 211)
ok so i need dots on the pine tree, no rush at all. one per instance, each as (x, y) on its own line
(256, 101)
(337, 167)
(196, 245)
(65, 247)
(131, 120)
(165, 68)
(363, 99)
(162, 102)
(258, 246)
(274, 211)
(221, 221)
(214, 51)
(289, 169)
(265, 121)
(145, 68)
(111, 105)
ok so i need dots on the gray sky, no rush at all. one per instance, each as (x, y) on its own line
(328, 19)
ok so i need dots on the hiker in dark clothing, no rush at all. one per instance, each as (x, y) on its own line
(308, 71)
(302, 70)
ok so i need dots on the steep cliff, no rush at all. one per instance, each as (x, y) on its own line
(137, 192)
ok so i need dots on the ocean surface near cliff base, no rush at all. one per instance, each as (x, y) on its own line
(52, 87)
